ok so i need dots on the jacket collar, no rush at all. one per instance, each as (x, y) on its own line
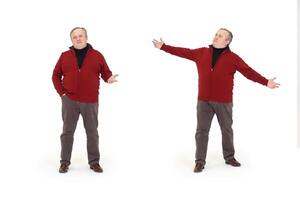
(88, 45)
(227, 49)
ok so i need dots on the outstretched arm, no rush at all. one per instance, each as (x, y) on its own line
(251, 74)
(190, 54)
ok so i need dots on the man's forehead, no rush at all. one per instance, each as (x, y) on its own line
(78, 31)
(222, 32)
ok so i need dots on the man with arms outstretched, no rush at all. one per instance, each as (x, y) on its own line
(216, 66)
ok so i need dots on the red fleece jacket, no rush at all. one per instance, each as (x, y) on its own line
(216, 84)
(80, 84)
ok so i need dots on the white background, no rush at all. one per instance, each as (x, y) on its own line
(298, 56)
(148, 119)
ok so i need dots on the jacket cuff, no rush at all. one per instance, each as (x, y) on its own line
(61, 92)
(163, 47)
(105, 78)
(266, 82)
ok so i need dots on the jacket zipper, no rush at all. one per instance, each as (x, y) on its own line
(79, 70)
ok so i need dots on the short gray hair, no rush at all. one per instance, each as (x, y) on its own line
(78, 28)
(230, 35)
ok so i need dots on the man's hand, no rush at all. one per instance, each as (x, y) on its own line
(158, 44)
(272, 84)
(112, 79)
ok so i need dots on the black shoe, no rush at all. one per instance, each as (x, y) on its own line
(198, 167)
(96, 167)
(63, 168)
(233, 162)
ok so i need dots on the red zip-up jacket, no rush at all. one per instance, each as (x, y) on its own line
(80, 84)
(216, 84)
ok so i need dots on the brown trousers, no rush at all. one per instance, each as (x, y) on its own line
(70, 114)
(205, 113)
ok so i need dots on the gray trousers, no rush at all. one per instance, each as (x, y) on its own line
(70, 114)
(205, 113)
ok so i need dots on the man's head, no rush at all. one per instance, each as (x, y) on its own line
(79, 37)
(222, 38)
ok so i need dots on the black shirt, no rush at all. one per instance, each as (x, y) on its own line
(80, 55)
(216, 54)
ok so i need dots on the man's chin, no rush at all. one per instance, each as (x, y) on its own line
(81, 46)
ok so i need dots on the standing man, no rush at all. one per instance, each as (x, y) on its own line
(76, 80)
(216, 67)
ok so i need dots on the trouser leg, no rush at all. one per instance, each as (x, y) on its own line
(224, 115)
(205, 115)
(89, 112)
(70, 115)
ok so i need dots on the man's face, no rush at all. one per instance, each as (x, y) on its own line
(221, 39)
(79, 39)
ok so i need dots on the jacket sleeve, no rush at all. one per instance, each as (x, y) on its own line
(57, 76)
(249, 73)
(104, 69)
(190, 54)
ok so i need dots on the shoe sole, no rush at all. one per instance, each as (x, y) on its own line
(62, 172)
(233, 165)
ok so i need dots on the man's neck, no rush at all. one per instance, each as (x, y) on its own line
(79, 48)
(219, 47)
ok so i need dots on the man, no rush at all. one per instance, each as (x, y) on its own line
(216, 67)
(76, 80)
